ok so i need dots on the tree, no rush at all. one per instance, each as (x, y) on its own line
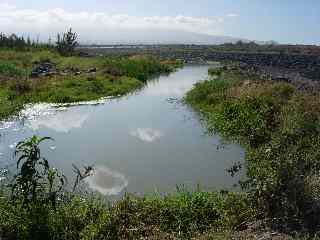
(67, 42)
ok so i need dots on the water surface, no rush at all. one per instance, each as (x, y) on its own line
(143, 142)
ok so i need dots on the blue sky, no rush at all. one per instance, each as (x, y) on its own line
(286, 21)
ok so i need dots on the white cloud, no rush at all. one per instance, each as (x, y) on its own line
(6, 6)
(147, 134)
(97, 25)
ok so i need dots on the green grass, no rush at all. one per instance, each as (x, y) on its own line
(114, 76)
(183, 214)
(280, 128)
(10, 69)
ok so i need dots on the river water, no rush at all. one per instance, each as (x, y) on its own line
(144, 142)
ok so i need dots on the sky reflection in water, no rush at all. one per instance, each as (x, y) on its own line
(138, 143)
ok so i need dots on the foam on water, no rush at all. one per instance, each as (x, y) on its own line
(33, 111)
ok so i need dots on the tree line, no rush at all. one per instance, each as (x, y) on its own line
(19, 42)
(65, 43)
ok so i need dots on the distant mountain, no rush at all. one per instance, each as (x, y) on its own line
(160, 37)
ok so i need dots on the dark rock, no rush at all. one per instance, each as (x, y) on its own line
(44, 69)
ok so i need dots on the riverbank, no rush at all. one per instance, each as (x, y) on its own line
(188, 214)
(45, 76)
(51, 212)
(279, 126)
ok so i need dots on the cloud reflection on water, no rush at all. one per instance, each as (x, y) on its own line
(60, 122)
(107, 181)
(147, 134)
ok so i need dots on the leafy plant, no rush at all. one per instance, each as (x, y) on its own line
(35, 180)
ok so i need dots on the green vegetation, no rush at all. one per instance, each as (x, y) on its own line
(14, 41)
(70, 79)
(215, 71)
(37, 206)
(9, 69)
(280, 128)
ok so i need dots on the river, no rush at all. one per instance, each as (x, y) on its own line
(144, 142)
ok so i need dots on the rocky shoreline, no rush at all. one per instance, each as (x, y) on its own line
(283, 74)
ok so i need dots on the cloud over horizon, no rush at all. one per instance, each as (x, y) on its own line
(96, 26)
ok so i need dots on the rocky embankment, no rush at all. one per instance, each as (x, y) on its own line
(302, 70)
(307, 65)
(283, 74)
